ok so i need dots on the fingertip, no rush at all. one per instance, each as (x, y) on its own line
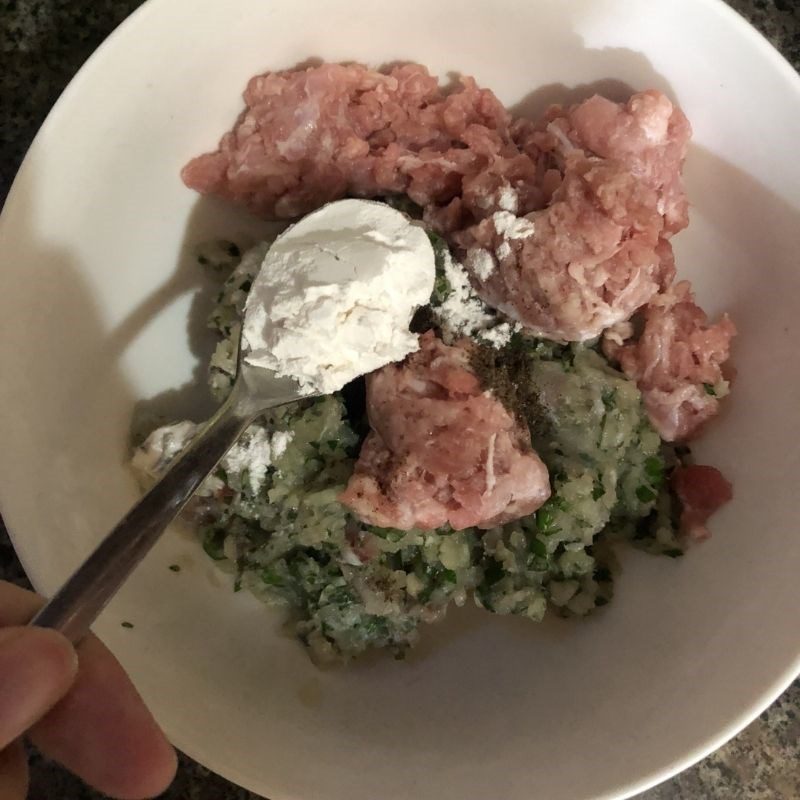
(149, 774)
(163, 776)
(150, 761)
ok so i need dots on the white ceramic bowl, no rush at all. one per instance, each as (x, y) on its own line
(96, 288)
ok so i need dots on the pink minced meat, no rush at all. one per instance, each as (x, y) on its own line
(313, 135)
(442, 450)
(676, 362)
(590, 261)
(600, 181)
(648, 134)
(701, 491)
(608, 195)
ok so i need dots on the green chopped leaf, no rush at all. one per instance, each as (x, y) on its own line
(213, 543)
(441, 288)
(449, 576)
(544, 519)
(437, 242)
(538, 547)
(709, 387)
(127, 624)
(654, 469)
(390, 534)
(339, 596)
(377, 627)
(645, 494)
(271, 578)
(175, 567)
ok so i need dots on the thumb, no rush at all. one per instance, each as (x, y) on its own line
(37, 668)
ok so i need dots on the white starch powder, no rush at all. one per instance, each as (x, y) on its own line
(336, 293)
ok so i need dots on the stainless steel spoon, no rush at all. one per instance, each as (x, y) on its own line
(81, 599)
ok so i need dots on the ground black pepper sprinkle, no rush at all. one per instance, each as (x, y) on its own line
(508, 372)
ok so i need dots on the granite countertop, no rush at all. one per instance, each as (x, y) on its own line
(43, 43)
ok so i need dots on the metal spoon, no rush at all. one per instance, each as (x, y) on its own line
(81, 599)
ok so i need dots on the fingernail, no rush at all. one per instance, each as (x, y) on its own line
(37, 667)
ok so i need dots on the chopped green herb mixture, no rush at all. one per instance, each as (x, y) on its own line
(350, 587)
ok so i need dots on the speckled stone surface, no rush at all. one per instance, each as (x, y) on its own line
(42, 45)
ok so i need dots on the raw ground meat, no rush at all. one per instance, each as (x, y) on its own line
(702, 491)
(312, 135)
(599, 247)
(563, 223)
(648, 135)
(590, 261)
(442, 450)
(676, 362)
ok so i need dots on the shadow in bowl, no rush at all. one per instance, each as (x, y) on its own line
(57, 365)
(211, 219)
(604, 61)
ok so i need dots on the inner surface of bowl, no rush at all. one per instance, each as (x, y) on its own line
(103, 309)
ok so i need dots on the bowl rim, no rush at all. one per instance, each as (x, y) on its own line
(747, 715)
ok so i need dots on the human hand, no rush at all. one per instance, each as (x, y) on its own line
(77, 706)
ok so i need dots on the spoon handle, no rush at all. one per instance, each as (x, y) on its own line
(75, 607)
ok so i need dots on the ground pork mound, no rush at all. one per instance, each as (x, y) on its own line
(649, 135)
(676, 361)
(597, 185)
(312, 135)
(587, 261)
(602, 188)
(441, 449)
